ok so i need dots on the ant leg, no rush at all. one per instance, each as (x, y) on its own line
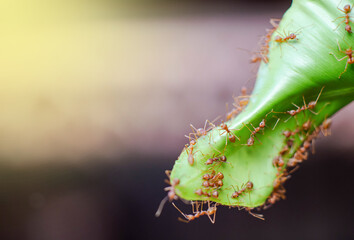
(214, 214)
(340, 49)
(295, 105)
(281, 51)
(253, 126)
(193, 129)
(318, 97)
(316, 113)
(339, 8)
(191, 138)
(339, 25)
(212, 122)
(235, 135)
(291, 45)
(180, 211)
(289, 118)
(303, 98)
(276, 124)
(259, 216)
(338, 18)
(345, 69)
(313, 146)
(168, 173)
(247, 127)
(182, 220)
(273, 22)
(208, 213)
(337, 58)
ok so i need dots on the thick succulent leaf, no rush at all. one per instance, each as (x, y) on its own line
(298, 70)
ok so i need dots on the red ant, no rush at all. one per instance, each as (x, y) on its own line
(190, 153)
(248, 187)
(291, 36)
(199, 132)
(278, 191)
(209, 212)
(213, 180)
(259, 216)
(285, 39)
(278, 161)
(284, 150)
(232, 137)
(349, 54)
(256, 56)
(215, 159)
(309, 107)
(262, 54)
(233, 113)
(261, 125)
(306, 125)
(325, 127)
(346, 10)
(171, 195)
(266, 39)
(289, 133)
(239, 104)
(200, 193)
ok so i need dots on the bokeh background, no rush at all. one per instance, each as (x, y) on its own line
(95, 99)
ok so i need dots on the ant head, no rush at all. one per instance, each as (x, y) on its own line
(255, 59)
(287, 134)
(312, 105)
(350, 61)
(262, 123)
(292, 36)
(193, 142)
(201, 131)
(347, 8)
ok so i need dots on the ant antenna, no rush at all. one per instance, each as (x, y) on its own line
(162, 204)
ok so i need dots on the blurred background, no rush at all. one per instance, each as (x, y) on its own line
(95, 99)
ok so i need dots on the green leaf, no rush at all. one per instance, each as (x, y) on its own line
(298, 72)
